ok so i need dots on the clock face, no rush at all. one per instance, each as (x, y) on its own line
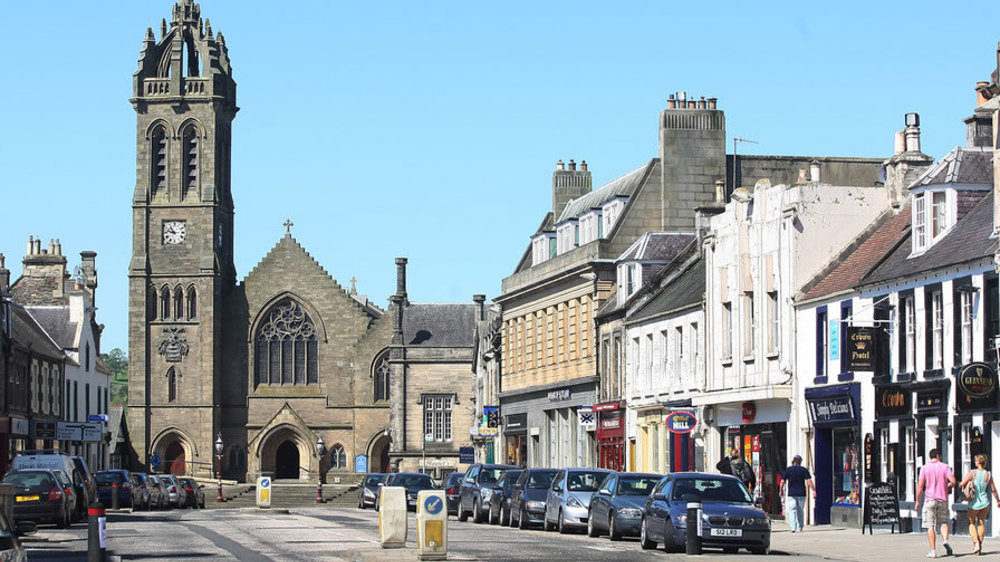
(174, 232)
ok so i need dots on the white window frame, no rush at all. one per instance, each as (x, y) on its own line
(937, 329)
(965, 313)
(678, 350)
(911, 333)
(437, 417)
(966, 437)
(774, 331)
(939, 214)
(919, 223)
(727, 331)
(750, 319)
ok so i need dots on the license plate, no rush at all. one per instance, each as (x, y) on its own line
(26, 499)
(726, 532)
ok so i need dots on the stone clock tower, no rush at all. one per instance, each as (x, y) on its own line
(182, 268)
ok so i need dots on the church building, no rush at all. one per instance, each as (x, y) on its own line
(286, 358)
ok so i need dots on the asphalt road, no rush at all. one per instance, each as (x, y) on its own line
(310, 534)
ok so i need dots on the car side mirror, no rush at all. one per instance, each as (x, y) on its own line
(556, 488)
(759, 502)
(26, 527)
(659, 497)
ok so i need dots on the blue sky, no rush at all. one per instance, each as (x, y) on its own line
(430, 130)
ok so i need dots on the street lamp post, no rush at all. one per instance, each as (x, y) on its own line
(218, 455)
(320, 451)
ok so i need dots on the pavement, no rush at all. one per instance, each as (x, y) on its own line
(339, 534)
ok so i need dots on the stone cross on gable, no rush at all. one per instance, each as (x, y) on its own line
(354, 288)
(288, 224)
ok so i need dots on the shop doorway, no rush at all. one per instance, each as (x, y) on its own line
(286, 462)
(764, 446)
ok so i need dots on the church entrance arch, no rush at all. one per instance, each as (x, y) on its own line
(175, 461)
(286, 461)
(378, 454)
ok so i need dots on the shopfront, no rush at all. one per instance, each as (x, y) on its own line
(975, 412)
(835, 414)
(610, 435)
(515, 432)
(894, 449)
(759, 429)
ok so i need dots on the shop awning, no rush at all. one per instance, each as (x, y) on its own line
(783, 392)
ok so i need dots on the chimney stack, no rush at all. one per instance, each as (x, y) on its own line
(912, 132)
(88, 265)
(569, 184)
(4, 275)
(480, 301)
(397, 329)
(815, 171)
(401, 278)
(907, 162)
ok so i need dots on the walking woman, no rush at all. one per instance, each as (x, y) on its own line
(979, 505)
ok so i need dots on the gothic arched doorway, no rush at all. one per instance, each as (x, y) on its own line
(286, 461)
(378, 455)
(174, 461)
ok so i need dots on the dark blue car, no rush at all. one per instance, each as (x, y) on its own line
(110, 480)
(616, 507)
(730, 520)
(527, 499)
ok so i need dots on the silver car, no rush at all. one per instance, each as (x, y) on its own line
(568, 500)
(174, 492)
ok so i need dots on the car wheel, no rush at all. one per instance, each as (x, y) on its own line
(491, 519)
(760, 550)
(644, 541)
(613, 533)
(63, 520)
(546, 526)
(504, 517)
(592, 531)
(522, 523)
(462, 514)
(561, 522)
(669, 539)
(477, 512)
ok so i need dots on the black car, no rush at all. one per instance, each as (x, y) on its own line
(193, 492)
(38, 496)
(730, 520)
(477, 489)
(527, 499)
(499, 508)
(451, 486)
(616, 507)
(368, 491)
(412, 481)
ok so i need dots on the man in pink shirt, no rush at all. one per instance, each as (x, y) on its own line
(937, 480)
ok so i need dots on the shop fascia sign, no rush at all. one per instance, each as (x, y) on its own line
(560, 395)
(832, 409)
(680, 421)
(586, 417)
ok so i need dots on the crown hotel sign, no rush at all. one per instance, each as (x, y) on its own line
(860, 348)
(976, 387)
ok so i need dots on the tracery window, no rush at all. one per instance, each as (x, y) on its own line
(192, 302)
(179, 303)
(171, 384)
(285, 343)
(338, 458)
(380, 374)
(165, 303)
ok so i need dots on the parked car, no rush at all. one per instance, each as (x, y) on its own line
(412, 481)
(110, 481)
(83, 483)
(11, 549)
(369, 488)
(568, 499)
(193, 492)
(730, 519)
(172, 490)
(527, 498)
(616, 507)
(140, 491)
(499, 507)
(157, 493)
(477, 489)
(451, 487)
(67, 486)
(38, 496)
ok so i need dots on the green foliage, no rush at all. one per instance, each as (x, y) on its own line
(117, 361)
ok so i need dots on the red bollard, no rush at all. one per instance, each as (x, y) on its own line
(97, 535)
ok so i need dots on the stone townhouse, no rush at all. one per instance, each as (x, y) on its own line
(486, 366)
(288, 358)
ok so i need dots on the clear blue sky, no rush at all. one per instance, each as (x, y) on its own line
(430, 129)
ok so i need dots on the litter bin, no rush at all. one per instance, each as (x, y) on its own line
(432, 525)
(392, 517)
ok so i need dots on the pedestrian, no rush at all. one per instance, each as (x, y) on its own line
(795, 481)
(937, 479)
(979, 504)
(724, 466)
(742, 470)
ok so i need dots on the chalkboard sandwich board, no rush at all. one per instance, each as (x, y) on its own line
(881, 506)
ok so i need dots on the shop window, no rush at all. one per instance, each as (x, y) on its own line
(846, 468)
(883, 450)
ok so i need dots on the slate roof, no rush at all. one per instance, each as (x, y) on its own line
(969, 165)
(970, 239)
(29, 334)
(621, 186)
(439, 325)
(657, 246)
(847, 269)
(688, 289)
(55, 321)
(116, 417)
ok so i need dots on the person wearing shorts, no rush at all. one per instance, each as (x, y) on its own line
(936, 483)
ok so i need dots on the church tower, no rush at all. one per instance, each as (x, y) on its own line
(182, 258)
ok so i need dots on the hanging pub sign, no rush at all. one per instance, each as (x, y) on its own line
(893, 402)
(860, 348)
(976, 387)
(680, 422)
(931, 401)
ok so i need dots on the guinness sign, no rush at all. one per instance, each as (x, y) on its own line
(976, 388)
(893, 402)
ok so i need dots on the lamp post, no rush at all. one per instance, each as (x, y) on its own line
(320, 451)
(218, 455)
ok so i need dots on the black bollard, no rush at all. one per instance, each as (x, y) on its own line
(693, 543)
(114, 496)
(97, 547)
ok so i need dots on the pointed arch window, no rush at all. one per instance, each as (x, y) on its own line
(286, 346)
(165, 303)
(338, 458)
(380, 376)
(158, 161)
(179, 303)
(171, 385)
(192, 303)
(151, 303)
(190, 154)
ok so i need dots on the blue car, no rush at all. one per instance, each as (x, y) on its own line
(616, 507)
(730, 520)
(527, 498)
(110, 480)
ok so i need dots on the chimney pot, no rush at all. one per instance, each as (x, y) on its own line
(572, 165)
(692, 104)
(713, 103)
(480, 308)
(401, 278)
(671, 102)
(720, 191)
(701, 103)
(583, 165)
(899, 143)
(815, 169)
(912, 132)
(560, 166)
(682, 99)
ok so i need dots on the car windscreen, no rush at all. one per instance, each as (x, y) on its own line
(33, 480)
(187, 482)
(374, 479)
(62, 478)
(510, 477)
(636, 485)
(540, 480)
(420, 481)
(584, 481)
(490, 475)
(710, 490)
(109, 477)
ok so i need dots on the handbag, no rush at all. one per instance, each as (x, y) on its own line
(969, 490)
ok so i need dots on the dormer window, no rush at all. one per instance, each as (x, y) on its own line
(629, 280)
(590, 226)
(567, 236)
(932, 217)
(543, 247)
(611, 211)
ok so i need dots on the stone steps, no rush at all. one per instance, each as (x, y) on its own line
(287, 495)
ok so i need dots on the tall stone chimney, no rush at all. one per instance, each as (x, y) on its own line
(480, 301)
(4, 275)
(906, 166)
(44, 272)
(692, 157)
(88, 266)
(569, 184)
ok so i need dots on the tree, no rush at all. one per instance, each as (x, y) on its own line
(117, 361)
